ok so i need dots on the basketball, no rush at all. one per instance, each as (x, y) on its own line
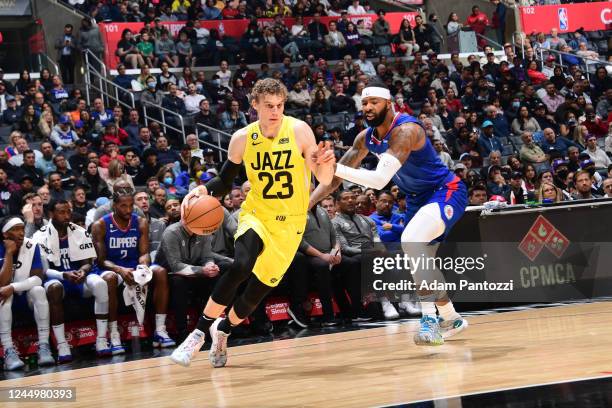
(202, 214)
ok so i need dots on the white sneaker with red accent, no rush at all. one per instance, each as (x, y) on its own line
(218, 349)
(184, 353)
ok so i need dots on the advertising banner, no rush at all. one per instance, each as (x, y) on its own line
(547, 255)
(567, 17)
(111, 32)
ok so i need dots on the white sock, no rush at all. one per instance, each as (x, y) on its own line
(6, 340)
(428, 309)
(38, 297)
(6, 321)
(59, 333)
(160, 322)
(102, 325)
(112, 327)
(447, 312)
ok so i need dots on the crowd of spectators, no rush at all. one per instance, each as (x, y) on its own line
(515, 128)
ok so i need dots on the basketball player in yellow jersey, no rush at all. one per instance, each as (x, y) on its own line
(279, 153)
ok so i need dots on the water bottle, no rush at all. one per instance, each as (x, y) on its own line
(135, 330)
(32, 361)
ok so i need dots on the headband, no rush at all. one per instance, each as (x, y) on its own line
(11, 223)
(377, 92)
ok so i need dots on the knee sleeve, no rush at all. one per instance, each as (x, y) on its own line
(425, 226)
(6, 322)
(6, 316)
(99, 289)
(38, 299)
(254, 293)
(247, 249)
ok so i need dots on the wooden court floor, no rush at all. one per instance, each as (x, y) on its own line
(373, 367)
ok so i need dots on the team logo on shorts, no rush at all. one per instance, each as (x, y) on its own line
(448, 212)
(273, 280)
(254, 136)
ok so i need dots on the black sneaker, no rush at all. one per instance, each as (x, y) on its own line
(298, 316)
(329, 323)
(262, 327)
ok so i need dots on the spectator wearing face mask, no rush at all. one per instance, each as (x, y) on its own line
(150, 96)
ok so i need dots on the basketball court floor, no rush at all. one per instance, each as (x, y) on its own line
(556, 356)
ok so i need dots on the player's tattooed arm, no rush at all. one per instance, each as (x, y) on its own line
(351, 158)
(402, 141)
(98, 231)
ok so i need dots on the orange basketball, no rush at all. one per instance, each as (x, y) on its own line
(202, 215)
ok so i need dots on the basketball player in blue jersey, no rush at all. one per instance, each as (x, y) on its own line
(435, 197)
(68, 254)
(121, 239)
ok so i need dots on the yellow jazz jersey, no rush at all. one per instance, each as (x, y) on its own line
(277, 204)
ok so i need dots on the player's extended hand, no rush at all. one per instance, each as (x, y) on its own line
(128, 275)
(324, 154)
(71, 276)
(5, 293)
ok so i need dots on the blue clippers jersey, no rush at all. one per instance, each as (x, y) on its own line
(423, 171)
(65, 264)
(122, 245)
(36, 258)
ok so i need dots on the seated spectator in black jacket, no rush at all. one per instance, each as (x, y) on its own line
(7, 192)
(132, 163)
(68, 177)
(12, 114)
(339, 101)
(544, 119)
(157, 209)
(96, 186)
(150, 167)
(517, 194)
(318, 254)
(55, 187)
(144, 141)
(193, 269)
(205, 115)
(165, 154)
(29, 168)
(78, 161)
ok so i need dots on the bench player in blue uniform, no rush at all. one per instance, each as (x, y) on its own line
(68, 254)
(121, 239)
(435, 197)
(21, 287)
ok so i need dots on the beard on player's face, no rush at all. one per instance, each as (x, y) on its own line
(378, 118)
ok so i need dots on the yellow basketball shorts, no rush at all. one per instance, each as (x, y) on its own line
(281, 240)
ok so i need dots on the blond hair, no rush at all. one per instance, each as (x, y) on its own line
(540, 192)
(268, 86)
